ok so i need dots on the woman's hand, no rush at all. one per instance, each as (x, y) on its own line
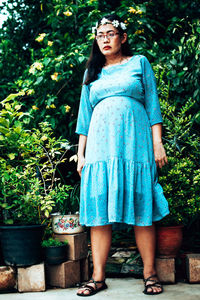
(80, 164)
(160, 155)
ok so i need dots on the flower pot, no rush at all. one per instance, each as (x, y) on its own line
(21, 245)
(55, 254)
(169, 240)
(66, 224)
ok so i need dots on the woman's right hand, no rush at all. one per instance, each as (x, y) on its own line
(80, 164)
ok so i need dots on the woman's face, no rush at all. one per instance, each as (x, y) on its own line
(110, 45)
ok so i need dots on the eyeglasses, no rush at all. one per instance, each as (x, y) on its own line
(110, 35)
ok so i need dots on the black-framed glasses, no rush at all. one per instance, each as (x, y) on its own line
(110, 35)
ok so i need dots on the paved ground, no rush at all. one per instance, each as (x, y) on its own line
(118, 289)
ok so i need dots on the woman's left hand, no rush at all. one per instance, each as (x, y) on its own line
(160, 155)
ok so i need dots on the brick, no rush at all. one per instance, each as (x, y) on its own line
(7, 278)
(78, 245)
(85, 269)
(165, 268)
(193, 267)
(63, 275)
(31, 279)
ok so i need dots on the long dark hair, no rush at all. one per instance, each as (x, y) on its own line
(97, 60)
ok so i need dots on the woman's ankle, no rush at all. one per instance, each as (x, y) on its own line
(98, 275)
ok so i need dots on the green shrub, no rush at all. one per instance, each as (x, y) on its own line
(51, 242)
(28, 164)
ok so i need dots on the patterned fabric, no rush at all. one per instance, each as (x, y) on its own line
(119, 181)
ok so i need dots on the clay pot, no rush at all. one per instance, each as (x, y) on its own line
(7, 278)
(169, 240)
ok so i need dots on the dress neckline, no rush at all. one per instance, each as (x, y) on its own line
(118, 65)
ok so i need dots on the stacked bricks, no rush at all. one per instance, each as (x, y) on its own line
(74, 270)
(67, 274)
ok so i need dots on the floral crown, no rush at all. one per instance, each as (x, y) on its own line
(115, 23)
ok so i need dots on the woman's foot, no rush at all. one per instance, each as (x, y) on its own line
(152, 285)
(91, 287)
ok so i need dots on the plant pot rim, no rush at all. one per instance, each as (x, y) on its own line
(63, 215)
(64, 245)
(14, 226)
(170, 226)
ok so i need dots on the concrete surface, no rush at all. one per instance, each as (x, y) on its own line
(118, 289)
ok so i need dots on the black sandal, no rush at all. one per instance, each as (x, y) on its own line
(92, 290)
(156, 283)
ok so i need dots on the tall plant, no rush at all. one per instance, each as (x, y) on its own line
(28, 164)
(181, 177)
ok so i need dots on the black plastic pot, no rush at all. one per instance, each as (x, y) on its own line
(21, 245)
(55, 254)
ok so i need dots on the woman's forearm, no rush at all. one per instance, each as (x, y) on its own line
(81, 145)
(157, 133)
(158, 148)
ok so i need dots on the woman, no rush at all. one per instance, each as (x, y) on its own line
(120, 145)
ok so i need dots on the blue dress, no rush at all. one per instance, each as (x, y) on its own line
(119, 181)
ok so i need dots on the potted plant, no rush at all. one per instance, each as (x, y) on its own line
(28, 163)
(66, 218)
(180, 179)
(55, 251)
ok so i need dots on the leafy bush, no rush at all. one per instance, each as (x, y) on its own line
(180, 179)
(28, 164)
(51, 242)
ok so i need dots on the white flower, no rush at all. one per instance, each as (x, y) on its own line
(115, 23)
(104, 21)
(123, 26)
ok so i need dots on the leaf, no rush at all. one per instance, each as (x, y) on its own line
(9, 221)
(173, 61)
(4, 122)
(73, 157)
(39, 80)
(3, 130)
(46, 61)
(11, 156)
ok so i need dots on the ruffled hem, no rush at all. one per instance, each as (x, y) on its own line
(121, 191)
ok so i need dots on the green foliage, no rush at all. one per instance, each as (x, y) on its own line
(44, 47)
(28, 164)
(60, 44)
(180, 179)
(66, 198)
(51, 242)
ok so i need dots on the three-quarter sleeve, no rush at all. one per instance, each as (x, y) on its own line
(151, 101)
(85, 110)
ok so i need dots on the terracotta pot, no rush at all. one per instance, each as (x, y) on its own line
(169, 240)
(66, 224)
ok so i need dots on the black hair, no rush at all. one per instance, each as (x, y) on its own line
(97, 60)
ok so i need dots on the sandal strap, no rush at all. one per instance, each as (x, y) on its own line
(149, 278)
(95, 282)
(153, 284)
(88, 287)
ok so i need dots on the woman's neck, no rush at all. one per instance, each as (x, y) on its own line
(114, 59)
